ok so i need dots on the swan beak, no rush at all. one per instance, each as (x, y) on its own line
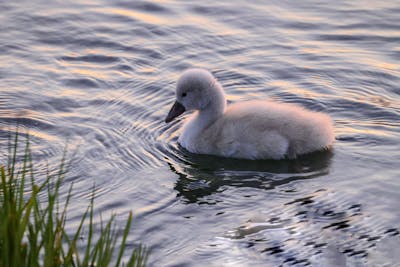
(176, 110)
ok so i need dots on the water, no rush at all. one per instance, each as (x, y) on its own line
(100, 77)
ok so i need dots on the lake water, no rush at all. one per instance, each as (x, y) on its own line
(100, 76)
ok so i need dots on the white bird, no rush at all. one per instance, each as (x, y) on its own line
(247, 130)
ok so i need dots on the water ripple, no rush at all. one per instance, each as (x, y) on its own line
(100, 77)
(91, 59)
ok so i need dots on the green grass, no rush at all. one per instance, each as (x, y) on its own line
(32, 232)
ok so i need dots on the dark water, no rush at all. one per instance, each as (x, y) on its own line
(100, 76)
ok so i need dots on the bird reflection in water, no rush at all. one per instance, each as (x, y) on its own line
(203, 175)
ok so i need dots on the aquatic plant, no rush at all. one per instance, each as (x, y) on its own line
(33, 232)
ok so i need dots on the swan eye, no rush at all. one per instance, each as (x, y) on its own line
(183, 94)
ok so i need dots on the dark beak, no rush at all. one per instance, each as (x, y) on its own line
(176, 110)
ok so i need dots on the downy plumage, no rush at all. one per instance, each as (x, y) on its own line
(249, 130)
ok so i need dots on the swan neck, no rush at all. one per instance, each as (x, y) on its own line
(215, 108)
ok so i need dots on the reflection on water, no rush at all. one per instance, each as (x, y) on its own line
(308, 231)
(100, 76)
(202, 175)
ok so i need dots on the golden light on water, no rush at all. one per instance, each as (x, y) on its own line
(288, 86)
(43, 135)
(366, 128)
(136, 15)
(71, 92)
(89, 73)
(176, 19)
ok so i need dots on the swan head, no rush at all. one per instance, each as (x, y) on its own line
(195, 90)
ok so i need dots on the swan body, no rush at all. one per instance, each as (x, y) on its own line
(249, 130)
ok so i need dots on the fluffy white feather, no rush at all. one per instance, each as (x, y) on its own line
(249, 130)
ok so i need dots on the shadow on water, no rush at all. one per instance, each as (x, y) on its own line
(203, 175)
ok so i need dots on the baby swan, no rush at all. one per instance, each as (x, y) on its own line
(246, 130)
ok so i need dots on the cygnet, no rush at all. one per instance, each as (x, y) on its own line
(257, 129)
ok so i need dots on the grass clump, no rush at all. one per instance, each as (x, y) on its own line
(32, 232)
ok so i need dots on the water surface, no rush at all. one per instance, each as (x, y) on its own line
(100, 76)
